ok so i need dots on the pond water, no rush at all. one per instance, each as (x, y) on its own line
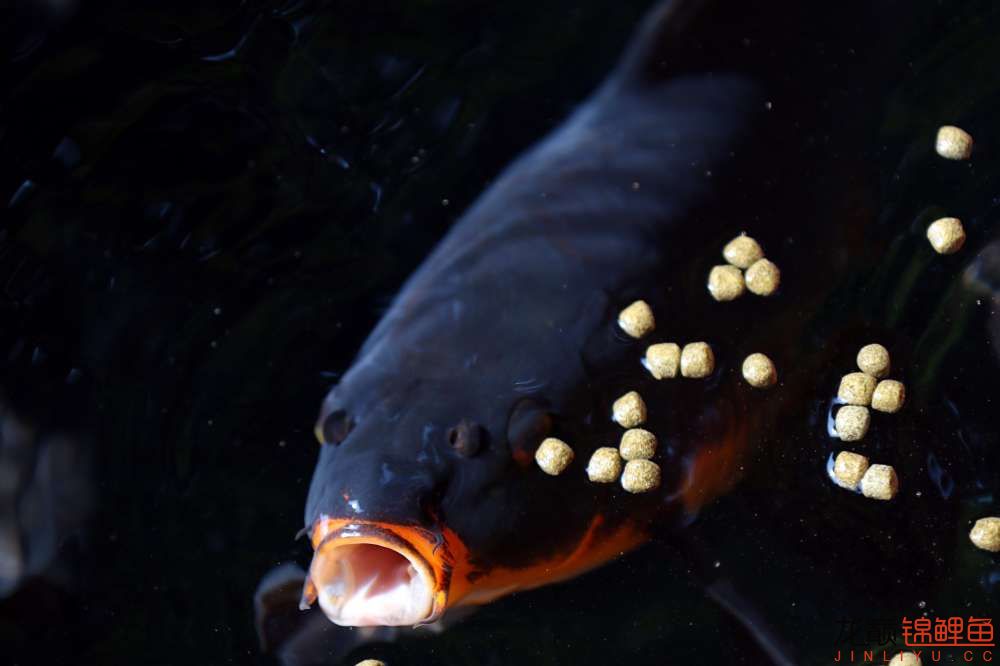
(206, 209)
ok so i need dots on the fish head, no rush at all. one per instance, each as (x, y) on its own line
(426, 496)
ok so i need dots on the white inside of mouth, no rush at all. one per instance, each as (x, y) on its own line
(365, 585)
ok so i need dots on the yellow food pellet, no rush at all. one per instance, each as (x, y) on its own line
(852, 423)
(553, 456)
(848, 469)
(946, 235)
(725, 283)
(856, 388)
(663, 360)
(889, 396)
(985, 534)
(641, 476)
(905, 659)
(629, 410)
(637, 319)
(880, 482)
(742, 251)
(637, 444)
(370, 662)
(763, 277)
(873, 360)
(605, 465)
(697, 360)
(759, 371)
(953, 143)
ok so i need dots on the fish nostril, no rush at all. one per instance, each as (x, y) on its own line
(336, 427)
(466, 438)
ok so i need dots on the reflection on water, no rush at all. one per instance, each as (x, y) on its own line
(208, 208)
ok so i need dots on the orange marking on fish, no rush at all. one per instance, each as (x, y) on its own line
(715, 469)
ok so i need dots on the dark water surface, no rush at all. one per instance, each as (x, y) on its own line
(207, 208)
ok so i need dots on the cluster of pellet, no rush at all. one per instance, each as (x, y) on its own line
(665, 360)
(946, 234)
(631, 460)
(746, 269)
(852, 471)
(859, 390)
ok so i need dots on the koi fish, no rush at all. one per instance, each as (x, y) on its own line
(426, 498)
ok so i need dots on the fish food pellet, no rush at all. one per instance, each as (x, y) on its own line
(889, 396)
(873, 360)
(946, 235)
(697, 360)
(637, 444)
(663, 360)
(637, 319)
(742, 251)
(641, 476)
(763, 277)
(856, 388)
(852, 423)
(605, 465)
(553, 456)
(848, 469)
(880, 482)
(953, 143)
(985, 534)
(629, 410)
(725, 283)
(759, 371)
(905, 659)
(370, 662)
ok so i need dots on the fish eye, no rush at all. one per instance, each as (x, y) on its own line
(466, 438)
(528, 424)
(336, 427)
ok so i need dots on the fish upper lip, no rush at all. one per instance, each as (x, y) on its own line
(374, 574)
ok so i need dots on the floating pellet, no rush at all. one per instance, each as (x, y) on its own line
(370, 662)
(663, 360)
(905, 659)
(553, 456)
(725, 283)
(697, 360)
(946, 235)
(953, 143)
(889, 396)
(637, 319)
(742, 251)
(985, 534)
(759, 371)
(763, 277)
(637, 444)
(852, 423)
(640, 476)
(856, 388)
(629, 410)
(880, 482)
(605, 465)
(873, 360)
(848, 469)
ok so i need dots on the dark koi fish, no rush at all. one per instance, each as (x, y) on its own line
(426, 497)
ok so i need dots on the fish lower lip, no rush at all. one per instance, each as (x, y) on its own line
(366, 575)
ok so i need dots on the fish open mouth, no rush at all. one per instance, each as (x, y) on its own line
(369, 574)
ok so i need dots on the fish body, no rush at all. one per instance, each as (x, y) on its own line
(425, 497)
